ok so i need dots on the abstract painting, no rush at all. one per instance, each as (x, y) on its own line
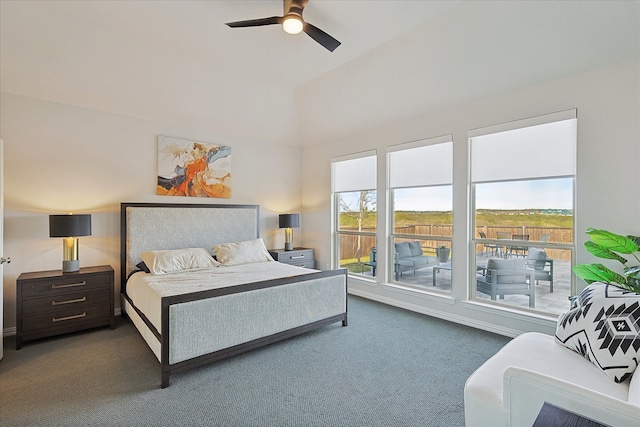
(193, 168)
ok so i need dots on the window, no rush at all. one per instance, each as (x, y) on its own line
(355, 216)
(522, 186)
(421, 194)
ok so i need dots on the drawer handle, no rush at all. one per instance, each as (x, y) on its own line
(70, 285)
(71, 301)
(75, 316)
(297, 256)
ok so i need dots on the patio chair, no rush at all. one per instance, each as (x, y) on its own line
(490, 246)
(502, 235)
(537, 259)
(517, 250)
(507, 277)
(372, 260)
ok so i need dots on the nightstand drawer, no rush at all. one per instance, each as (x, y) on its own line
(52, 302)
(69, 316)
(57, 302)
(300, 257)
(294, 256)
(64, 285)
(306, 264)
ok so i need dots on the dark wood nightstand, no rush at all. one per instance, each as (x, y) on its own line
(52, 303)
(301, 257)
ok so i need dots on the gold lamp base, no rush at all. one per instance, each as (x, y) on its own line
(288, 239)
(70, 261)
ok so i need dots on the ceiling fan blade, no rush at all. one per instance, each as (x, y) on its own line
(321, 37)
(256, 22)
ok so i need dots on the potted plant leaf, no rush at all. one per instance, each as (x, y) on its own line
(607, 245)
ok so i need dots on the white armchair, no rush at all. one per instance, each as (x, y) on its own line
(510, 388)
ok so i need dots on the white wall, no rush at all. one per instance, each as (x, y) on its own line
(59, 158)
(608, 104)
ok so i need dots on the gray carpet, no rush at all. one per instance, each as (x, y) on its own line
(389, 367)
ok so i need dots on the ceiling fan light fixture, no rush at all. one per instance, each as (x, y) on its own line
(292, 24)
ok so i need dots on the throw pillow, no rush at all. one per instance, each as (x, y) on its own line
(403, 250)
(603, 325)
(175, 260)
(245, 252)
(415, 248)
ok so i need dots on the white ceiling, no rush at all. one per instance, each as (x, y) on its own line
(176, 61)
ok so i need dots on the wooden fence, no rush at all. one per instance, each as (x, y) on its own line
(349, 248)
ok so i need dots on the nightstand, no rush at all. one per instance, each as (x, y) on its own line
(52, 303)
(301, 257)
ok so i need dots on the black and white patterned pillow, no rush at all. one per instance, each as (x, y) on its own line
(603, 325)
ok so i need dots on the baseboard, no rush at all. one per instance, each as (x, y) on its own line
(489, 327)
(7, 332)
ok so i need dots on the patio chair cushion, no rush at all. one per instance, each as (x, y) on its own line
(536, 258)
(513, 264)
(602, 325)
(416, 249)
(404, 250)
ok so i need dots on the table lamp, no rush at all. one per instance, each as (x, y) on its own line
(289, 221)
(70, 227)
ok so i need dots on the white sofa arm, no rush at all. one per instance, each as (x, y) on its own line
(526, 391)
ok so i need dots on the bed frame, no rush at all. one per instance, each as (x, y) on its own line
(158, 226)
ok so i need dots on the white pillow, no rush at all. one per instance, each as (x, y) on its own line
(168, 261)
(602, 325)
(242, 252)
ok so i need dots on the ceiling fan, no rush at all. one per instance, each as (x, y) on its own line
(292, 23)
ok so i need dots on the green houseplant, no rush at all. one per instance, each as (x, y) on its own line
(607, 245)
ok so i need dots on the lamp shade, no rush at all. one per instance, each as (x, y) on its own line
(289, 220)
(69, 225)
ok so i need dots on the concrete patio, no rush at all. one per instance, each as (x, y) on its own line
(556, 302)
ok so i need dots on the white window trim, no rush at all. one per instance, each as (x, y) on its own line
(335, 262)
(390, 235)
(472, 300)
(523, 123)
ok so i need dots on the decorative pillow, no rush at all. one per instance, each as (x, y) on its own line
(603, 325)
(415, 248)
(169, 261)
(242, 252)
(403, 250)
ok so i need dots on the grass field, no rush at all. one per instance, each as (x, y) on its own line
(528, 218)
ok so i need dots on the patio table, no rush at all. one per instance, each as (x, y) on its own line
(437, 268)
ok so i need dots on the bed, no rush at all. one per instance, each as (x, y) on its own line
(198, 316)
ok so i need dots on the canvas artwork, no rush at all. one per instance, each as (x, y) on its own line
(192, 168)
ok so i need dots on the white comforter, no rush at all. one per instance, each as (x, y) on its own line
(146, 290)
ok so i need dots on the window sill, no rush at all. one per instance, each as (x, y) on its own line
(430, 295)
(547, 320)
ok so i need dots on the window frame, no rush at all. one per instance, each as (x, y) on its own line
(475, 241)
(335, 209)
(391, 235)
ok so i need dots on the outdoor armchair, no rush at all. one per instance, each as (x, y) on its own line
(507, 277)
(537, 259)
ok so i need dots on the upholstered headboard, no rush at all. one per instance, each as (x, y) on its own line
(158, 226)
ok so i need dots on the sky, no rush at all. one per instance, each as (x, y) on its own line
(534, 194)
